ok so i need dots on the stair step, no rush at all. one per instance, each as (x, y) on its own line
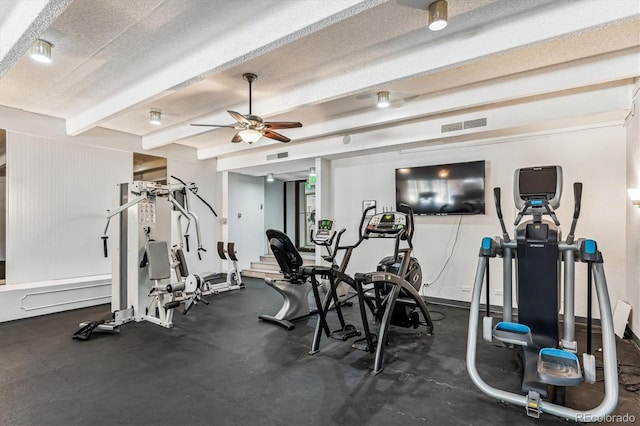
(265, 266)
(261, 273)
(307, 258)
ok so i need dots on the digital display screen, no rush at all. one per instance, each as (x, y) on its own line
(445, 189)
(537, 182)
(325, 224)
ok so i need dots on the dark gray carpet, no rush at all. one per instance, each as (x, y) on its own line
(220, 365)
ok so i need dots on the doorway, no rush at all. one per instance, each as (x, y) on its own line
(305, 208)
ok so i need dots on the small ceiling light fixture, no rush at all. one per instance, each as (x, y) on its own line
(250, 135)
(155, 117)
(634, 195)
(312, 171)
(383, 99)
(270, 177)
(41, 51)
(438, 15)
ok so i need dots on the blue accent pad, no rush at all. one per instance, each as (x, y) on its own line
(513, 327)
(486, 243)
(536, 202)
(590, 246)
(558, 353)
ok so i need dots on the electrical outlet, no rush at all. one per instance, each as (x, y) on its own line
(465, 288)
(497, 292)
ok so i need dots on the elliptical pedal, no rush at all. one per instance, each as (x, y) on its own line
(362, 345)
(345, 333)
(559, 367)
(513, 333)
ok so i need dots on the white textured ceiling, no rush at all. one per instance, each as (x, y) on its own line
(316, 61)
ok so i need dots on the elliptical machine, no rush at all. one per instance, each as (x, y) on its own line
(395, 284)
(548, 362)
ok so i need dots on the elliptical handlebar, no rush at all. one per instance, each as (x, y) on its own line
(577, 195)
(496, 198)
(411, 224)
(364, 216)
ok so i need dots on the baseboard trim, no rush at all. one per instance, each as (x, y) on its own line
(496, 309)
(40, 298)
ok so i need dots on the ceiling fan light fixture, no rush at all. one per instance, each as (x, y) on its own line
(250, 135)
(383, 99)
(155, 117)
(438, 15)
(270, 177)
(41, 51)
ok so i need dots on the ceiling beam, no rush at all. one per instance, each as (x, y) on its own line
(561, 20)
(237, 47)
(612, 67)
(21, 24)
(573, 111)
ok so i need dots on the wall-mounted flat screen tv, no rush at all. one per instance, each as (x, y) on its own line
(445, 189)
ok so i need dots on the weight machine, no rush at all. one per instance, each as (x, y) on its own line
(142, 287)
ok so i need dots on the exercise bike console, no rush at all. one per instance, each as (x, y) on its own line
(325, 232)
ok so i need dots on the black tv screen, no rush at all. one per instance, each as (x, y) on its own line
(443, 189)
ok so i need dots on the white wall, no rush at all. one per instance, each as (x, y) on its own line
(595, 157)
(204, 175)
(58, 189)
(633, 215)
(273, 207)
(57, 197)
(246, 199)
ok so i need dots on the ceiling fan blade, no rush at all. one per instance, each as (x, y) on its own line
(236, 138)
(282, 124)
(277, 136)
(239, 117)
(213, 125)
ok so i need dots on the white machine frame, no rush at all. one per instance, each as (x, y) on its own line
(138, 291)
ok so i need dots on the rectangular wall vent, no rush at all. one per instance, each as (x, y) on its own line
(479, 122)
(451, 127)
(277, 156)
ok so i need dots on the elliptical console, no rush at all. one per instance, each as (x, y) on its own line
(395, 225)
(386, 225)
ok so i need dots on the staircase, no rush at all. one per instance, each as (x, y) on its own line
(267, 267)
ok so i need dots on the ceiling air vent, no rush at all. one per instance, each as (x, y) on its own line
(469, 124)
(451, 127)
(478, 122)
(277, 156)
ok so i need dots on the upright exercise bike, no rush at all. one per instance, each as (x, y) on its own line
(549, 363)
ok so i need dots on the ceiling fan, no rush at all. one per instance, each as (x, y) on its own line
(252, 127)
